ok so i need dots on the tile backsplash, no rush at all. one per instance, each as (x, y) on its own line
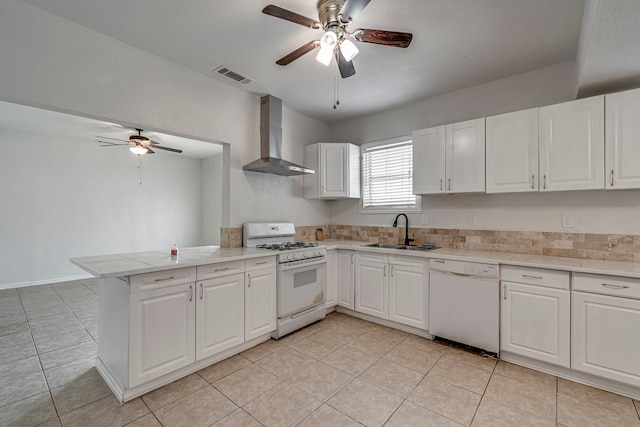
(611, 247)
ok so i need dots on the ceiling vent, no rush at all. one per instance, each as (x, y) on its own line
(238, 78)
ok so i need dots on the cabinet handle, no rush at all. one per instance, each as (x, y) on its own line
(249, 284)
(611, 178)
(221, 269)
(526, 276)
(533, 177)
(441, 184)
(385, 271)
(353, 256)
(392, 271)
(449, 184)
(610, 286)
(201, 291)
(504, 292)
(190, 293)
(166, 278)
(544, 181)
(260, 263)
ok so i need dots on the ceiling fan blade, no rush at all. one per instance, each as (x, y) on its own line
(387, 38)
(287, 15)
(346, 67)
(150, 151)
(110, 144)
(174, 150)
(115, 139)
(352, 8)
(289, 58)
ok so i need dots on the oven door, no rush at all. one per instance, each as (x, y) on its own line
(301, 285)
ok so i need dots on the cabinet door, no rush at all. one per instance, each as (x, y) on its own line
(372, 285)
(465, 166)
(346, 278)
(605, 338)
(622, 145)
(333, 278)
(219, 314)
(571, 144)
(512, 152)
(408, 293)
(429, 161)
(260, 303)
(334, 171)
(162, 332)
(536, 322)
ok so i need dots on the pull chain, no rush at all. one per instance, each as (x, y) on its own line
(336, 89)
(140, 168)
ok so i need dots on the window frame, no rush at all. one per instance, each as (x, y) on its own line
(416, 208)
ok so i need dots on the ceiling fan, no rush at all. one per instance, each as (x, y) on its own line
(138, 144)
(334, 17)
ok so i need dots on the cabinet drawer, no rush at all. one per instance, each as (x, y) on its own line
(371, 257)
(162, 279)
(409, 261)
(536, 276)
(260, 263)
(608, 285)
(209, 271)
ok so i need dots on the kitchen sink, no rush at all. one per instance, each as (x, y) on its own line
(397, 246)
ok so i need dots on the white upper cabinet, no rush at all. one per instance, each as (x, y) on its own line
(465, 156)
(512, 152)
(449, 159)
(429, 161)
(623, 140)
(337, 167)
(571, 143)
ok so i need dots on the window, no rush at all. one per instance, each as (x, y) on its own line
(387, 177)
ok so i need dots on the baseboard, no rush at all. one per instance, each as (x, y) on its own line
(15, 285)
(383, 322)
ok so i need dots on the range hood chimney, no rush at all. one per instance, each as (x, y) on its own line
(270, 160)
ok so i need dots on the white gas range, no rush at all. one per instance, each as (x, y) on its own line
(301, 273)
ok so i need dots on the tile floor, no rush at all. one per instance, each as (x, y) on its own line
(341, 371)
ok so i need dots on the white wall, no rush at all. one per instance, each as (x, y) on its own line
(52, 63)
(594, 211)
(64, 198)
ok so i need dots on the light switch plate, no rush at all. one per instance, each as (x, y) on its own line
(473, 221)
(425, 219)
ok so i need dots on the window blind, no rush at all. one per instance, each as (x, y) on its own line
(387, 170)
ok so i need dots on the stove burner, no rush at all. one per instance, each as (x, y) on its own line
(284, 246)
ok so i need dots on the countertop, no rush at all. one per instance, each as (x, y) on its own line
(616, 268)
(118, 265)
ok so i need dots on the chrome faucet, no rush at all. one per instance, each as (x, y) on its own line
(407, 240)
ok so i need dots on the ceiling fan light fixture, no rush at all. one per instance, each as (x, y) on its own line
(138, 150)
(348, 49)
(324, 55)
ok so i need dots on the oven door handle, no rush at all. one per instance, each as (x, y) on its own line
(285, 266)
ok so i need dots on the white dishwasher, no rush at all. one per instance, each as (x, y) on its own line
(464, 303)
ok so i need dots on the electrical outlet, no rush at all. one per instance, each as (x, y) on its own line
(567, 221)
(473, 222)
(425, 219)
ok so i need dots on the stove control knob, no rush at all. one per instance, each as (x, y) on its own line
(294, 256)
(317, 253)
(289, 257)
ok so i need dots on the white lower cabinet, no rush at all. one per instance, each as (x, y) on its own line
(393, 288)
(536, 314)
(162, 332)
(219, 314)
(409, 291)
(260, 303)
(333, 279)
(605, 328)
(372, 284)
(346, 278)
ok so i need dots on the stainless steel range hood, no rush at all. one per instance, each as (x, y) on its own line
(270, 160)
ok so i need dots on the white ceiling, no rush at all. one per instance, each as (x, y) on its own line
(456, 44)
(45, 122)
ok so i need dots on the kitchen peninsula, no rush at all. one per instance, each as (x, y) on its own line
(161, 319)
